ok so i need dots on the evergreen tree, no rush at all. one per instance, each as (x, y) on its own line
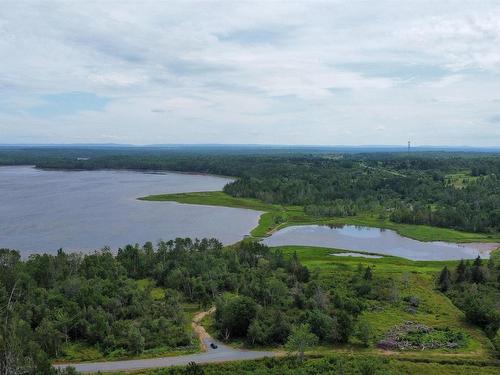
(478, 274)
(444, 281)
(461, 272)
(468, 271)
(368, 273)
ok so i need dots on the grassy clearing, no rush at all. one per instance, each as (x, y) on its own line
(214, 198)
(460, 180)
(80, 352)
(276, 217)
(157, 293)
(413, 278)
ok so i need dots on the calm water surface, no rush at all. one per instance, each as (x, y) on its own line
(376, 240)
(85, 210)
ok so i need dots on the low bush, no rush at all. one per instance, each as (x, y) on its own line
(411, 336)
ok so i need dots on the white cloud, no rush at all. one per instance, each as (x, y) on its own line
(117, 79)
(461, 41)
(181, 72)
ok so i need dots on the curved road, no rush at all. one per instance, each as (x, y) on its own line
(222, 354)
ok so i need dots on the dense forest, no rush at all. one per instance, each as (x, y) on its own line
(452, 190)
(51, 301)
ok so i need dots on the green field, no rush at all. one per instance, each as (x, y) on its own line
(460, 180)
(276, 217)
(413, 278)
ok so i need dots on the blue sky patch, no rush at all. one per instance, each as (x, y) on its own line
(253, 36)
(67, 103)
(495, 119)
(415, 72)
(190, 67)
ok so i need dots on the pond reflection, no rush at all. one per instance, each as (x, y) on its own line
(376, 240)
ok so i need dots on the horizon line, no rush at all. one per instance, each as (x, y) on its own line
(160, 145)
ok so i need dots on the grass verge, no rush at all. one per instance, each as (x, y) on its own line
(348, 364)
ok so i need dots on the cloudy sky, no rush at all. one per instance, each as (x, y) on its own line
(303, 72)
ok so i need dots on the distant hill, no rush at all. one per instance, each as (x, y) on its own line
(255, 148)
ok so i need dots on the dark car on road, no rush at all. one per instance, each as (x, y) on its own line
(213, 345)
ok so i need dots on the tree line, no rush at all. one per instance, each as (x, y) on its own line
(474, 287)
